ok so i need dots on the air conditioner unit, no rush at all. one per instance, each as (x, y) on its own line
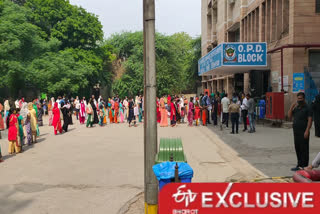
(231, 1)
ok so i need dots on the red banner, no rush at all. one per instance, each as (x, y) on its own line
(248, 198)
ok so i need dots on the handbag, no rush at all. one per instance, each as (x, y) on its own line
(89, 111)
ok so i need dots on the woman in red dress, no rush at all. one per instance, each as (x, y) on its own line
(56, 121)
(12, 123)
(173, 113)
(158, 111)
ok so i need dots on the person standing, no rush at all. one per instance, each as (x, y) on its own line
(140, 108)
(12, 123)
(251, 113)
(204, 105)
(65, 109)
(82, 112)
(244, 112)
(234, 109)
(94, 108)
(56, 120)
(164, 114)
(131, 116)
(77, 106)
(302, 123)
(116, 111)
(90, 113)
(173, 116)
(126, 108)
(6, 109)
(225, 102)
(33, 122)
(16, 103)
(27, 126)
(20, 129)
(121, 111)
(191, 112)
(197, 111)
(316, 112)
(40, 114)
(214, 114)
(1, 120)
(50, 107)
(158, 111)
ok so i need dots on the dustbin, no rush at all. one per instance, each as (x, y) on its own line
(165, 172)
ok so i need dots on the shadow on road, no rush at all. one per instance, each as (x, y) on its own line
(8, 204)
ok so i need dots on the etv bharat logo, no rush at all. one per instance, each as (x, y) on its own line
(230, 53)
(184, 196)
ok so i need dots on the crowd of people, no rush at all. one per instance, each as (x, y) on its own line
(23, 119)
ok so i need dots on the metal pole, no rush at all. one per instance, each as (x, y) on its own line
(150, 120)
(282, 90)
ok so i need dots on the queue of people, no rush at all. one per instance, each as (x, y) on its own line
(23, 119)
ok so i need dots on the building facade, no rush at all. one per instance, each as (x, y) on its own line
(288, 26)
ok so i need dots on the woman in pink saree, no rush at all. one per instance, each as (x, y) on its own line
(82, 112)
(164, 114)
(190, 112)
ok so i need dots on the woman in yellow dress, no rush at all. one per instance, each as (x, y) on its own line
(33, 121)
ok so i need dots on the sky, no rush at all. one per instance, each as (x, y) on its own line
(172, 16)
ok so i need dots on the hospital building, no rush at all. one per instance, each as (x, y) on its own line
(260, 46)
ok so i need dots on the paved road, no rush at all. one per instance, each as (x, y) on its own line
(98, 170)
(270, 149)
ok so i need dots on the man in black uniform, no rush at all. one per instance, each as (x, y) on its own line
(302, 122)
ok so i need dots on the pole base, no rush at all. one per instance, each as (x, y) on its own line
(150, 209)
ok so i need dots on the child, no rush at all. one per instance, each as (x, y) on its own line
(197, 113)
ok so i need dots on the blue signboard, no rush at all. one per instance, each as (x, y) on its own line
(234, 54)
(298, 82)
(211, 61)
(245, 54)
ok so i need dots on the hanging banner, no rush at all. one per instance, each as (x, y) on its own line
(246, 54)
(211, 61)
(298, 82)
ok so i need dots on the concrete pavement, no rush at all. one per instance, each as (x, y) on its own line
(100, 170)
(270, 149)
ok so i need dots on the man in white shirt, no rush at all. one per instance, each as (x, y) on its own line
(244, 112)
(16, 103)
(225, 102)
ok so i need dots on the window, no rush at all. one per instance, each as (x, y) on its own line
(317, 6)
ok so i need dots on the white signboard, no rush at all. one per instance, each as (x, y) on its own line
(275, 77)
(285, 83)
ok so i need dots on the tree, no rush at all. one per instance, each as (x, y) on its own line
(20, 43)
(176, 55)
(72, 25)
(53, 47)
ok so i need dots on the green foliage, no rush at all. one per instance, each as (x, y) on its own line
(54, 47)
(51, 46)
(72, 25)
(175, 55)
(20, 43)
(60, 73)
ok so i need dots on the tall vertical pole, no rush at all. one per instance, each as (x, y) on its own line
(282, 86)
(150, 121)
